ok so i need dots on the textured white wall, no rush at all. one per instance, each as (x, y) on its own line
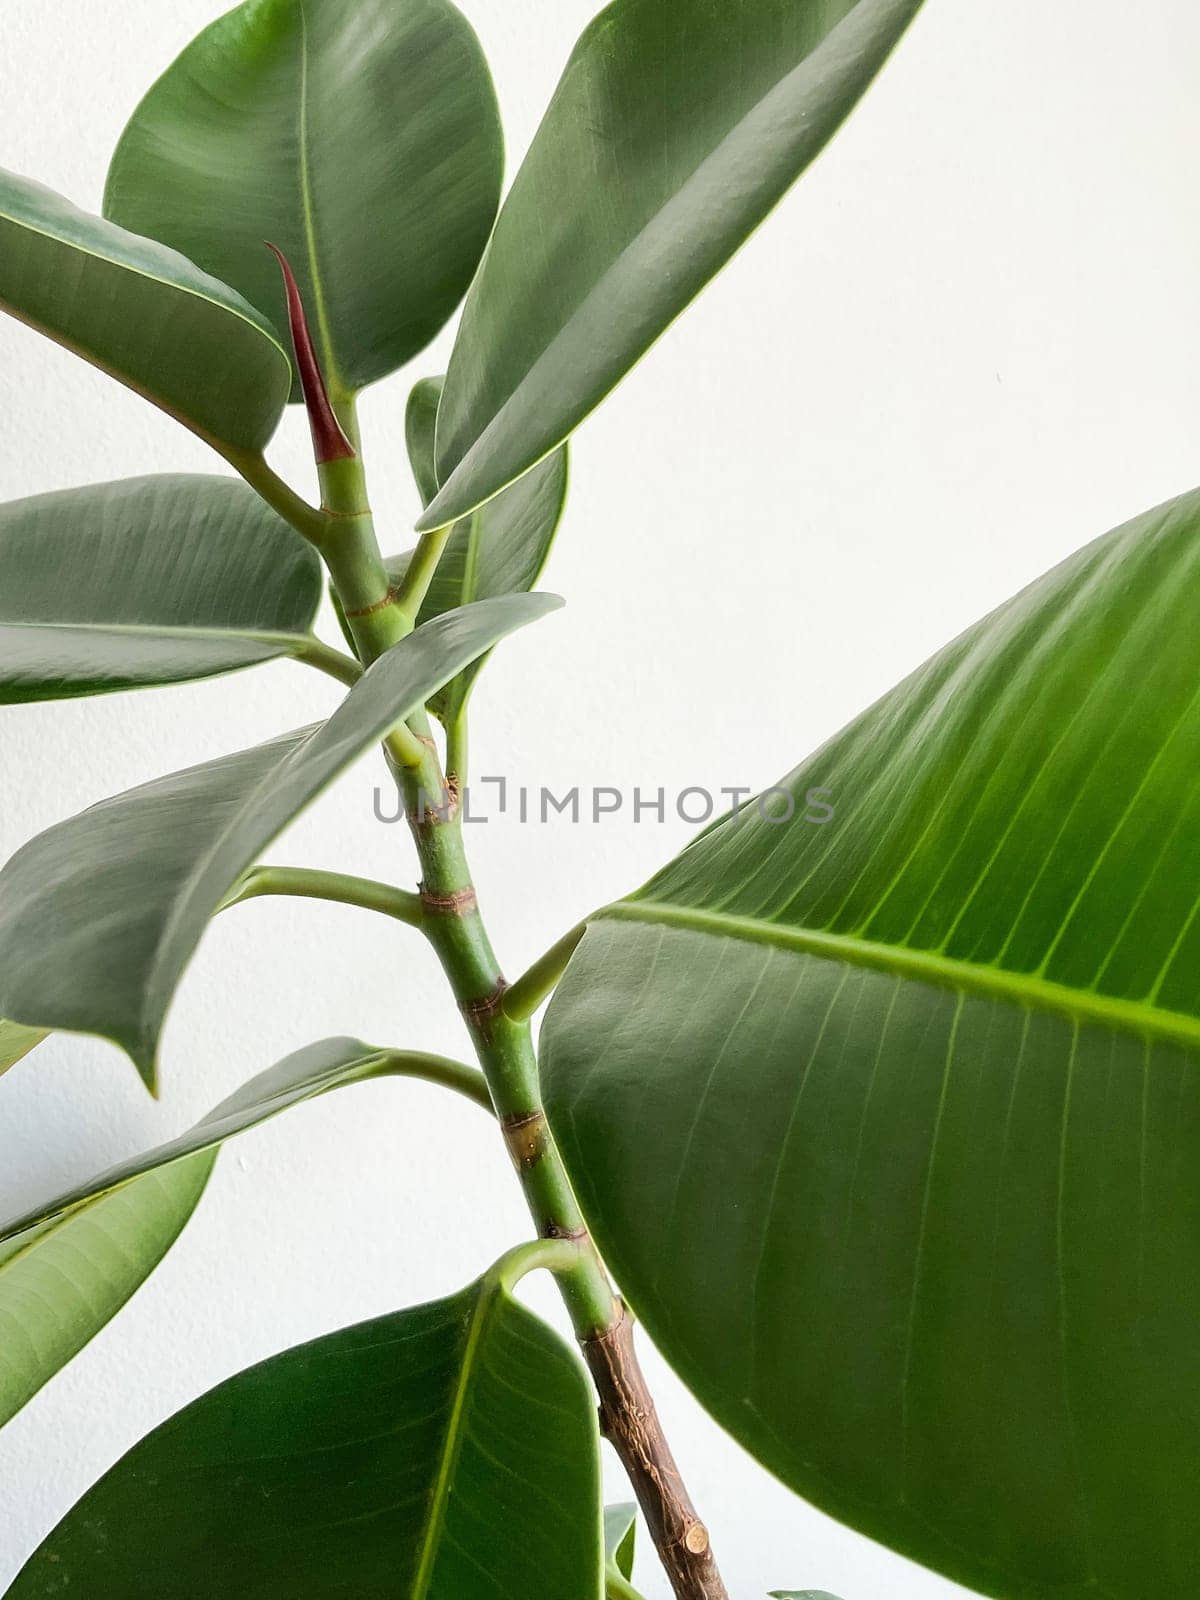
(966, 344)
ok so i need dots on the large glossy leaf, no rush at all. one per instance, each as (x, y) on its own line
(500, 549)
(676, 128)
(144, 314)
(890, 1127)
(100, 915)
(16, 1042)
(64, 1278)
(153, 580)
(360, 136)
(439, 1453)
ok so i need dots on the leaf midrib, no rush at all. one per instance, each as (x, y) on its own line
(308, 212)
(162, 630)
(947, 972)
(452, 1444)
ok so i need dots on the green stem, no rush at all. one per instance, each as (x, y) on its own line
(310, 884)
(504, 1047)
(359, 577)
(316, 653)
(414, 586)
(351, 551)
(536, 985)
(280, 496)
(505, 1051)
(549, 1255)
(448, 1074)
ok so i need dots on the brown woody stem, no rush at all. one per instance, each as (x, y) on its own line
(629, 1421)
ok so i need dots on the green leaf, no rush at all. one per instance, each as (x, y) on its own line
(100, 915)
(144, 314)
(304, 1075)
(675, 130)
(16, 1042)
(363, 139)
(68, 1265)
(887, 1124)
(501, 549)
(153, 580)
(63, 1279)
(620, 1536)
(441, 1452)
(801, 1594)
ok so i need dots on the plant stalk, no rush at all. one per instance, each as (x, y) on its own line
(504, 1048)
(312, 884)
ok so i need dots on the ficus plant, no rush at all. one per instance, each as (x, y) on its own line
(883, 1129)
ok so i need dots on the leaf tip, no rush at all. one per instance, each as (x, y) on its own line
(145, 1059)
(330, 442)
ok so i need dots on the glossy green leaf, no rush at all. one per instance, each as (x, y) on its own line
(69, 1264)
(801, 1594)
(62, 1279)
(16, 1042)
(100, 915)
(153, 580)
(888, 1125)
(360, 136)
(620, 1537)
(144, 314)
(501, 549)
(304, 1075)
(443, 1452)
(675, 130)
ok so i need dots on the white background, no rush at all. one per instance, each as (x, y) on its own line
(966, 344)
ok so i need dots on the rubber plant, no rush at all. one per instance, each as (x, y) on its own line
(885, 1130)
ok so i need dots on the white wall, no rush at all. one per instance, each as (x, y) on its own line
(966, 344)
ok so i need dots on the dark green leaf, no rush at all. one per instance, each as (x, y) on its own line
(154, 580)
(440, 1453)
(100, 915)
(142, 313)
(361, 138)
(620, 1536)
(63, 1279)
(500, 549)
(888, 1124)
(676, 128)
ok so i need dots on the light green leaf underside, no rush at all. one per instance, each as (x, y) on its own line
(144, 314)
(674, 131)
(888, 1127)
(62, 1281)
(100, 915)
(16, 1042)
(363, 140)
(146, 581)
(500, 549)
(441, 1452)
(620, 1538)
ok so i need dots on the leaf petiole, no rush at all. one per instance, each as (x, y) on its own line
(311, 884)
